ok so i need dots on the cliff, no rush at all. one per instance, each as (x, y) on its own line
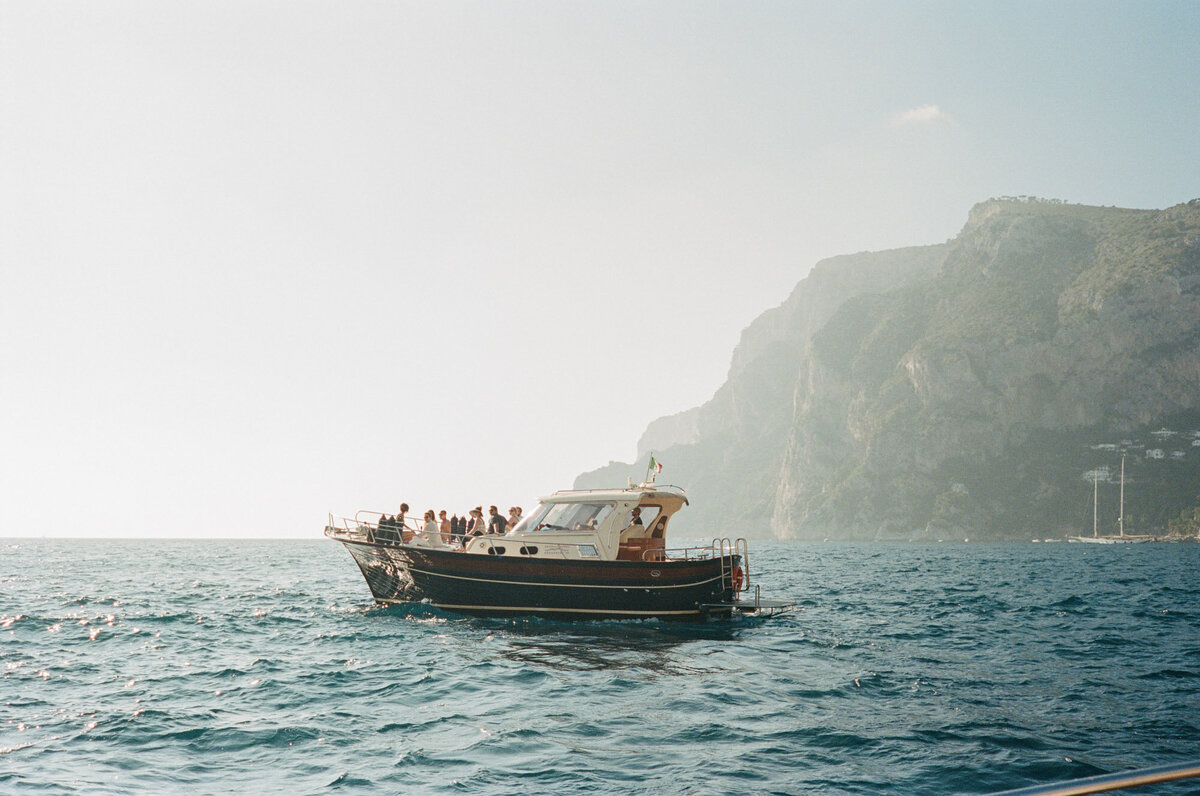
(959, 389)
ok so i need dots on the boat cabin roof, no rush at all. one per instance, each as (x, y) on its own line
(654, 495)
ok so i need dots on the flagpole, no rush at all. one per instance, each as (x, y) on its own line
(652, 470)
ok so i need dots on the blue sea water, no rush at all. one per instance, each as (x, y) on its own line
(264, 667)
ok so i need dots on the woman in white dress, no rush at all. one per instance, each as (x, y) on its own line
(430, 535)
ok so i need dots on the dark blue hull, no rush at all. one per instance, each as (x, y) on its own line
(510, 586)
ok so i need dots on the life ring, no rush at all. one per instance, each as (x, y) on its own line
(739, 579)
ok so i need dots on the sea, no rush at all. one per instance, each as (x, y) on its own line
(264, 667)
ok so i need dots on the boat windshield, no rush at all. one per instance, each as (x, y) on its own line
(567, 517)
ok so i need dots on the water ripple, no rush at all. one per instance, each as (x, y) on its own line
(907, 669)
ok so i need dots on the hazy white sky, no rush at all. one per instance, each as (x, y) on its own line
(264, 260)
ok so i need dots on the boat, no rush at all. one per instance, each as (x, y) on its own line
(1110, 539)
(581, 554)
(1121, 537)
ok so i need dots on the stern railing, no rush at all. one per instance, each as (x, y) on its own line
(677, 554)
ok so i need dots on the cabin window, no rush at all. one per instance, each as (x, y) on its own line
(573, 516)
(587, 551)
(530, 521)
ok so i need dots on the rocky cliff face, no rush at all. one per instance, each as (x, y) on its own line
(949, 390)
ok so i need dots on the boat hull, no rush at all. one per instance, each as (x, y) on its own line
(1110, 539)
(484, 585)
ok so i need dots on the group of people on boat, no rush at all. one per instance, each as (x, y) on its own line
(436, 530)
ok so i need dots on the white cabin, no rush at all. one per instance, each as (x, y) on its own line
(590, 524)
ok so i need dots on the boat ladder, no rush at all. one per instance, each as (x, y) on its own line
(724, 549)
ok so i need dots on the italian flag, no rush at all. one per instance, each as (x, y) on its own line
(655, 466)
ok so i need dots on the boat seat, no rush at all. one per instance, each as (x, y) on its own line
(641, 549)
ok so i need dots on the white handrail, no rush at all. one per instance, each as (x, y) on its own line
(1107, 782)
(679, 553)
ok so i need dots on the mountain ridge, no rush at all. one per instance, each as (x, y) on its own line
(892, 394)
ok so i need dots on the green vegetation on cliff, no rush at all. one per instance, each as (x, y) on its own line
(1187, 524)
(962, 389)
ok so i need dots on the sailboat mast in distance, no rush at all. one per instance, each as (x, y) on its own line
(1121, 514)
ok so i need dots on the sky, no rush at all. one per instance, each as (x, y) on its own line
(265, 261)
